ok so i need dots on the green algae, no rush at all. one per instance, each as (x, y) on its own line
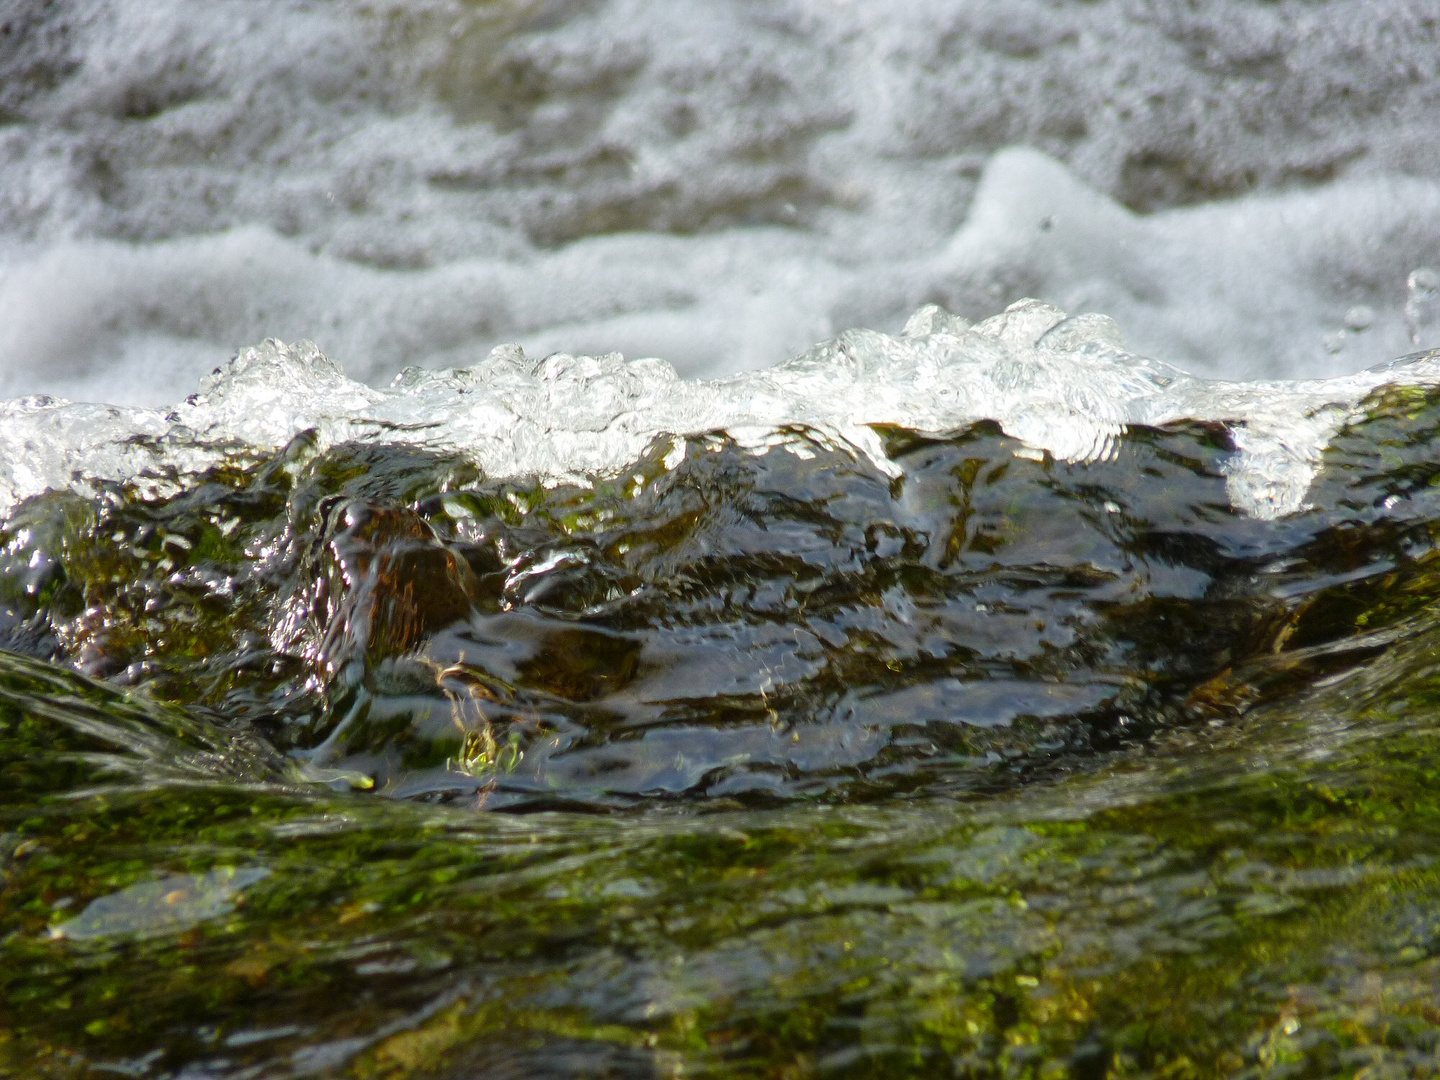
(1275, 901)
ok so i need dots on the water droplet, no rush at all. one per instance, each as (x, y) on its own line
(1422, 307)
(1360, 318)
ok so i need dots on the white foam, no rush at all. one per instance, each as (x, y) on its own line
(1255, 288)
(1245, 287)
(1064, 386)
(718, 182)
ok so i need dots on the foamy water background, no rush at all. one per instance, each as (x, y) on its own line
(1244, 187)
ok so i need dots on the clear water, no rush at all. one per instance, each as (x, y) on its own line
(999, 693)
(749, 760)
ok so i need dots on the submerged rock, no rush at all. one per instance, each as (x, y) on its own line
(770, 615)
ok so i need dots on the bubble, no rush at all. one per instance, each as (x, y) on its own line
(1422, 307)
(1360, 318)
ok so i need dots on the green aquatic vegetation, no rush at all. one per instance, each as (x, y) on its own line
(1150, 916)
(743, 763)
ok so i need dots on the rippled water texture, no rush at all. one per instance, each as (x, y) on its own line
(757, 757)
(458, 691)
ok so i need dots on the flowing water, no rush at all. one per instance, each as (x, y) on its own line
(1042, 695)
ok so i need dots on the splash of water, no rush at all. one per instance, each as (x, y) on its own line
(1065, 386)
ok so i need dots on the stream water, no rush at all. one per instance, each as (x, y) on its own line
(387, 694)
